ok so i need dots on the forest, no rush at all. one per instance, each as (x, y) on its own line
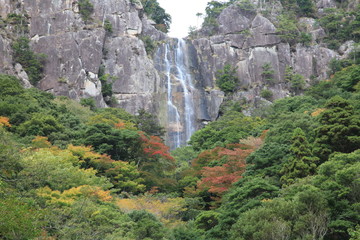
(290, 171)
(71, 171)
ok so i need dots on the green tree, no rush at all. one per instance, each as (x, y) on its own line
(268, 73)
(246, 194)
(18, 219)
(40, 124)
(9, 155)
(229, 128)
(119, 144)
(154, 11)
(226, 79)
(296, 81)
(58, 170)
(86, 8)
(147, 226)
(302, 163)
(339, 179)
(148, 123)
(30, 61)
(339, 130)
(108, 27)
(287, 29)
(306, 8)
(348, 77)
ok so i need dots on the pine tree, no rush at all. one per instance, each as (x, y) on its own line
(302, 163)
(339, 130)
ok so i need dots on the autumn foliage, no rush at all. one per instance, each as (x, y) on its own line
(218, 179)
(220, 167)
(4, 122)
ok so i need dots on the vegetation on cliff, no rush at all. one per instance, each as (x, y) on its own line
(70, 171)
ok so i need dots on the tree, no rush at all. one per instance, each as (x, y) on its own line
(246, 194)
(30, 61)
(339, 130)
(268, 73)
(347, 78)
(297, 81)
(147, 226)
(155, 163)
(123, 175)
(18, 219)
(57, 169)
(302, 163)
(85, 9)
(148, 123)
(120, 144)
(339, 179)
(287, 29)
(226, 79)
(231, 160)
(154, 11)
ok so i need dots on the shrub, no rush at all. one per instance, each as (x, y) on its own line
(30, 61)
(150, 45)
(108, 26)
(268, 73)
(267, 94)
(226, 79)
(88, 102)
(86, 9)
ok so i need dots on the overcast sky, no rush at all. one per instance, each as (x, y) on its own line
(183, 13)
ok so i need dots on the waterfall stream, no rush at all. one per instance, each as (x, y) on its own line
(173, 57)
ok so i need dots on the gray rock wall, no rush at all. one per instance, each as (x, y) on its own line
(248, 39)
(76, 50)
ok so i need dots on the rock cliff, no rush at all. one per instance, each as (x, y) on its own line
(245, 35)
(76, 50)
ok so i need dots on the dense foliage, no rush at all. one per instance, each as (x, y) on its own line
(72, 171)
(30, 61)
(67, 170)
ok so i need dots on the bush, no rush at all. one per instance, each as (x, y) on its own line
(226, 79)
(88, 102)
(108, 26)
(86, 9)
(30, 61)
(150, 45)
(268, 73)
(267, 94)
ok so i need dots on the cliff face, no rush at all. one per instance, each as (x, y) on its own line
(247, 37)
(76, 50)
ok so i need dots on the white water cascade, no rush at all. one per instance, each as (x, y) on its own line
(180, 92)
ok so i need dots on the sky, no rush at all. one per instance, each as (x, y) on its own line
(183, 14)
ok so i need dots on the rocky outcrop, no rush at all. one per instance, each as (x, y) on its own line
(247, 38)
(76, 50)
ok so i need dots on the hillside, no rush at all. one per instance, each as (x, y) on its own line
(97, 103)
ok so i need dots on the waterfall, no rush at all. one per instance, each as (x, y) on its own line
(173, 113)
(173, 63)
(184, 76)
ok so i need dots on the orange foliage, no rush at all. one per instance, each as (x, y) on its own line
(154, 147)
(220, 167)
(218, 179)
(4, 122)
(317, 112)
